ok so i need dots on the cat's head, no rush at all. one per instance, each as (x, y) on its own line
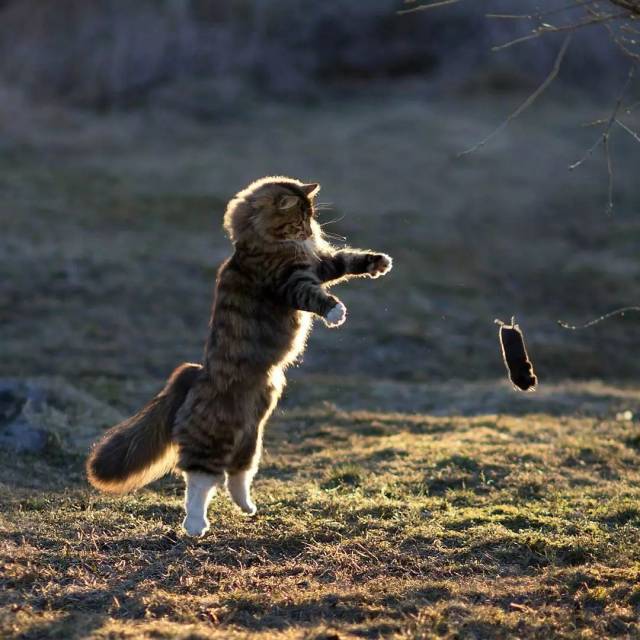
(273, 209)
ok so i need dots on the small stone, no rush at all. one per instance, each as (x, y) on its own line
(17, 432)
(23, 437)
(43, 415)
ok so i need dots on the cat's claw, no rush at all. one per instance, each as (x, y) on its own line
(380, 265)
(336, 316)
(195, 527)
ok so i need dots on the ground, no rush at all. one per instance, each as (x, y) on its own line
(407, 491)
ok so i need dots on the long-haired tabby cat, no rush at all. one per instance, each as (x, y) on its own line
(208, 420)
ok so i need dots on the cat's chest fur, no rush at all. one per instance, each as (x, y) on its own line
(251, 324)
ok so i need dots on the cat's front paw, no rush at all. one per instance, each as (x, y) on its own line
(195, 526)
(379, 264)
(336, 316)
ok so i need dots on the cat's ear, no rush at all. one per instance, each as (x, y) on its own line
(310, 189)
(288, 202)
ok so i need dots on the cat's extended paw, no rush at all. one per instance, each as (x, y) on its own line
(336, 316)
(379, 264)
(195, 526)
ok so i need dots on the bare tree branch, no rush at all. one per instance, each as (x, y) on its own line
(541, 14)
(618, 17)
(607, 155)
(603, 139)
(609, 122)
(422, 7)
(528, 102)
(630, 131)
(547, 28)
(630, 5)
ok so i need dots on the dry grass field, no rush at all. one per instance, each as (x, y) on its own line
(406, 491)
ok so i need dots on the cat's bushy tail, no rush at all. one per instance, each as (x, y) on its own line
(139, 449)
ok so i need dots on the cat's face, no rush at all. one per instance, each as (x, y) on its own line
(284, 211)
(275, 209)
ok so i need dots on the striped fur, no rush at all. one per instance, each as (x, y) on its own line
(266, 295)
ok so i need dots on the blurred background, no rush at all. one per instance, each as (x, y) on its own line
(125, 127)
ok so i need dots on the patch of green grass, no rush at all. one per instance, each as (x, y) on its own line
(344, 476)
(390, 504)
(344, 544)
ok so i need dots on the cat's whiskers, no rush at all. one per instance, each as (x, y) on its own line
(330, 234)
(324, 224)
(334, 236)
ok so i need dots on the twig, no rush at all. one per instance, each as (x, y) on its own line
(540, 14)
(632, 107)
(528, 102)
(629, 29)
(606, 316)
(622, 45)
(609, 122)
(630, 131)
(630, 5)
(607, 155)
(603, 139)
(588, 153)
(544, 29)
(619, 41)
(422, 7)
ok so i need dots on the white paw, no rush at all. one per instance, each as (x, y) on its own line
(248, 507)
(195, 527)
(380, 265)
(336, 316)
(239, 486)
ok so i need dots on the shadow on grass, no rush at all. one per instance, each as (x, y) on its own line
(150, 590)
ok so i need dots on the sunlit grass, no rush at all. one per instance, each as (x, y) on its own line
(406, 490)
(482, 528)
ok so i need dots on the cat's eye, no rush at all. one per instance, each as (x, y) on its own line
(288, 202)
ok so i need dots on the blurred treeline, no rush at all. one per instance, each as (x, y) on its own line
(201, 54)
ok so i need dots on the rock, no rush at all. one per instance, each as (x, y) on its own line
(24, 438)
(44, 413)
(17, 432)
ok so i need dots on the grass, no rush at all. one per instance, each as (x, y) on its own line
(406, 490)
(488, 527)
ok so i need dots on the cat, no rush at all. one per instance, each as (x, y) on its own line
(209, 418)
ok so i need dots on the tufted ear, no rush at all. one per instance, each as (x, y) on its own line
(288, 202)
(310, 189)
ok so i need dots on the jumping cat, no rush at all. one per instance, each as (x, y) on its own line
(209, 418)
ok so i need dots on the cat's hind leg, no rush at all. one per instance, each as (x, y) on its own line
(244, 466)
(246, 458)
(201, 487)
(239, 486)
